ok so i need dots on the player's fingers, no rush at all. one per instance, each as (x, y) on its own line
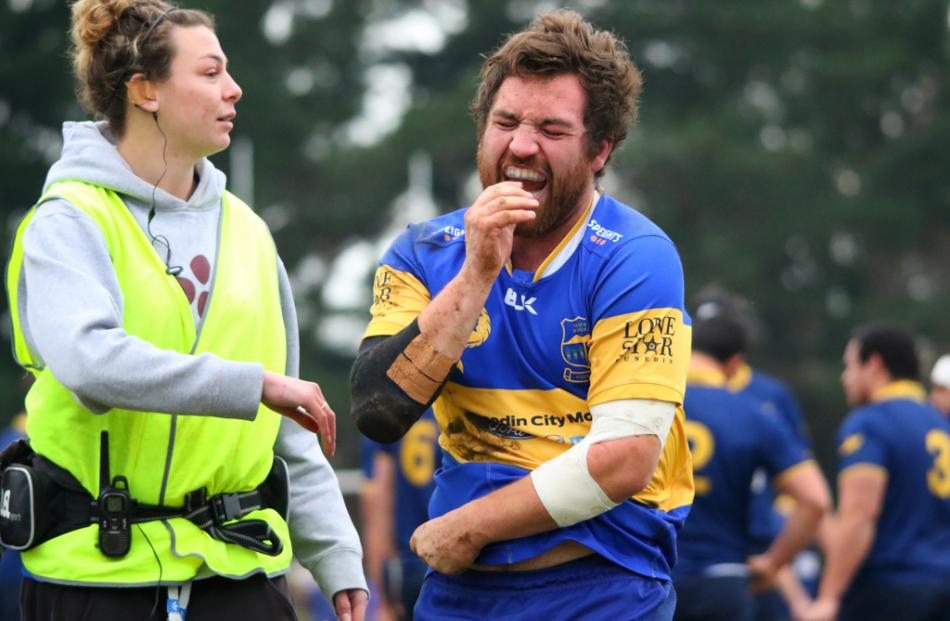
(500, 190)
(500, 213)
(517, 203)
(503, 219)
(508, 203)
(504, 187)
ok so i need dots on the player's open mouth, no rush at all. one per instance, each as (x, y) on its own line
(531, 180)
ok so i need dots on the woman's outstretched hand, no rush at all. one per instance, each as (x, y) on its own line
(303, 402)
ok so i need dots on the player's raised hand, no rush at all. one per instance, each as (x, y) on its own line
(445, 545)
(490, 225)
(303, 402)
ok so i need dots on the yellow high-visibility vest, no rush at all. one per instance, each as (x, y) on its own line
(163, 456)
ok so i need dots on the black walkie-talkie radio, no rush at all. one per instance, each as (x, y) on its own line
(114, 503)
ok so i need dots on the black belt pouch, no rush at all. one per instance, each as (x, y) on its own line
(38, 499)
(24, 495)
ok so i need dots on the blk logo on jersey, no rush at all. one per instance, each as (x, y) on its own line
(575, 339)
(519, 302)
(648, 339)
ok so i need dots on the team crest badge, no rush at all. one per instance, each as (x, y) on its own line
(481, 331)
(575, 338)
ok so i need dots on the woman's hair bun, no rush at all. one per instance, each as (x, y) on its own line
(93, 19)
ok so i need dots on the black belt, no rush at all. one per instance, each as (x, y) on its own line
(215, 515)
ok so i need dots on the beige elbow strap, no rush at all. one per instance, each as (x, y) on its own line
(420, 370)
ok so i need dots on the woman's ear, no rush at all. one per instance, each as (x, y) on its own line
(142, 93)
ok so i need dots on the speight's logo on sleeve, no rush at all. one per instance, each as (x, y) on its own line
(575, 339)
(648, 339)
(451, 233)
(600, 235)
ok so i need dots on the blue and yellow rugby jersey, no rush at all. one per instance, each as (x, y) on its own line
(765, 521)
(775, 396)
(909, 441)
(730, 438)
(415, 457)
(602, 319)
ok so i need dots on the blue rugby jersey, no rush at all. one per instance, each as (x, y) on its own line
(910, 442)
(777, 401)
(416, 458)
(602, 319)
(730, 438)
(775, 396)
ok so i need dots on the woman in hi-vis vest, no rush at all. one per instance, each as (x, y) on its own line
(155, 313)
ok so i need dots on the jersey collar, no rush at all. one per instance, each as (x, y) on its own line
(565, 249)
(706, 377)
(741, 379)
(901, 389)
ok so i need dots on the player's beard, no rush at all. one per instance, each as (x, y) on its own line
(562, 193)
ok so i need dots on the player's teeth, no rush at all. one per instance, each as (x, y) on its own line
(523, 174)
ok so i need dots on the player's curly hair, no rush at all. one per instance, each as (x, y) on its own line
(114, 39)
(561, 42)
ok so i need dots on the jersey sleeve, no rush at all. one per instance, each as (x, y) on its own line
(860, 442)
(791, 412)
(640, 342)
(781, 448)
(368, 451)
(399, 292)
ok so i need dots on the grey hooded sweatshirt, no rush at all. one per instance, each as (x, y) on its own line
(70, 306)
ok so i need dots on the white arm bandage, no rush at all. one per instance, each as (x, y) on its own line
(564, 484)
